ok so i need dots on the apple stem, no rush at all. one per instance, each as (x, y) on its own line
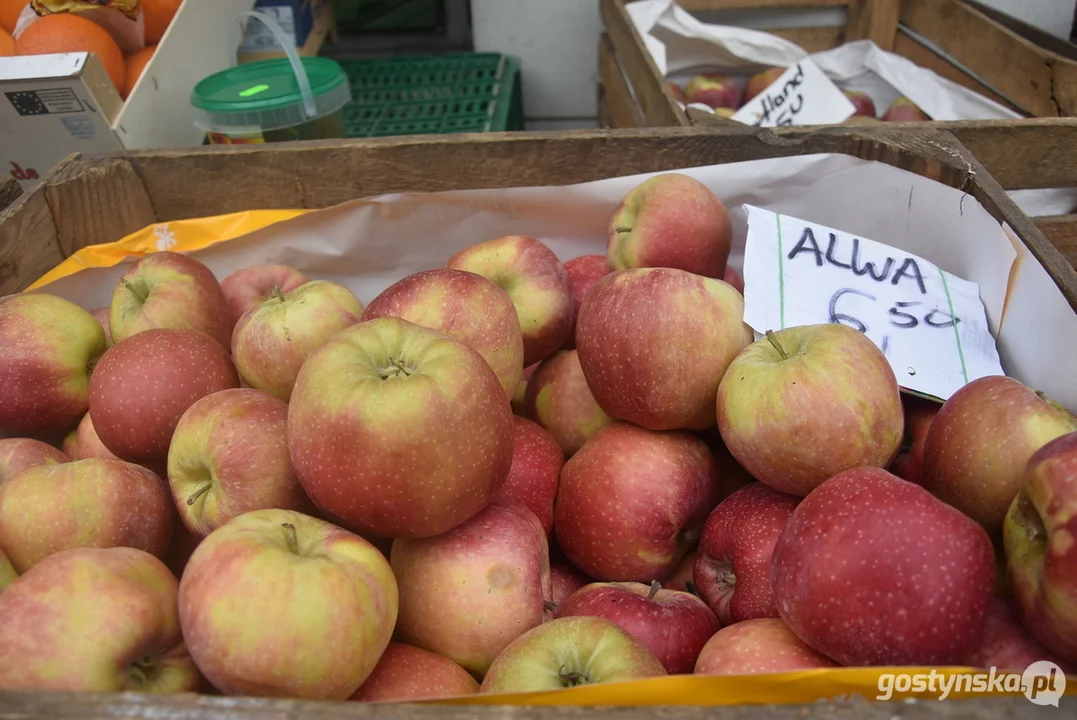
(549, 606)
(777, 345)
(655, 587)
(291, 536)
(131, 288)
(571, 679)
(201, 491)
(622, 230)
(278, 293)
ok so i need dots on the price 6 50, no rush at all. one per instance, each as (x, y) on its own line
(903, 315)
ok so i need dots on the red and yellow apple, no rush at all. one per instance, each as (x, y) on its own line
(755, 647)
(761, 81)
(564, 580)
(904, 110)
(536, 470)
(559, 400)
(408, 673)
(247, 288)
(865, 106)
(919, 413)
(18, 454)
(714, 90)
(583, 272)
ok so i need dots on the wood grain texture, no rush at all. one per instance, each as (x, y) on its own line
(648, 86)
(93, 706)
(813, 39)
(618, 109)
(1061, 231)
(875, 20)
(10, 190)
(704, 5)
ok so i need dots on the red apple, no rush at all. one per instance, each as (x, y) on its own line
(863, 103)
(87, 443)
(249, 287)
(731, 475)
(671, 221)
(273, 340)
(733, 278)
(904, 110)
(568, 652)
(229, 456)
(682, 579)
(94, 620)
(732, 570)
(981, 440)
(565, 580)
(408, 673)
(559, 400)
(537, 283)
(873, 570)
(759, 646)
(535, 472)
(761, 81)
(468, 593)
(83, 503)
(671, 624)
(520, 396)
(462, 305)
(168, 290)
(714, 90)
(805, 403)
(1006, 645)
(279, 604)
(919, 413)
(633, 501)
(1041, 555)
(48, 346)
(583, 272)
(102, 315)
(143, 384)
(18, 454)
(635, 326)
(398, 430)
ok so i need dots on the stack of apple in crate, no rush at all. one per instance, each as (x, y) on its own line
(507, 474)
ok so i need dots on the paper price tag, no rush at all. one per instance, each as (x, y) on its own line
(931, 325)
(803, 95)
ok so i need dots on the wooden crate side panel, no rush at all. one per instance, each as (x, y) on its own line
(925, 57)
(1061, 231)
(619, 109)
(813, 39)
(10, 191)
(875, 20)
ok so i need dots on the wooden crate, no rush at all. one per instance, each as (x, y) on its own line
(89, 200)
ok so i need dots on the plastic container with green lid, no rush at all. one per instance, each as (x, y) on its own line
(276, 100)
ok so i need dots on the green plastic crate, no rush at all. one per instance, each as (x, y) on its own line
(428, 94)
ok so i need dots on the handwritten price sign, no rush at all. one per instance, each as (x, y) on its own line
(931, 325)
(803, 95)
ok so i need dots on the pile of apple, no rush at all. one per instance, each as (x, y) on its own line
(508, 474)
(725, 94)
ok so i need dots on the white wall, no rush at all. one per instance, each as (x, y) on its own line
(1053, 16)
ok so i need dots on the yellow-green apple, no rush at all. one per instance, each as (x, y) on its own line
(169, 290)
(273, 340)
(48, 348)
(535, 280)
(627, 350)
(143, 384)
(7, 572)
(583, 272)
(980, 441)
(535, 472)
(102, 316)
(18, 454)
(468, 593)
(755, 647)
(519, 398)
(95, 620)
(904, 110)
(247, 288)
(462, 305)
(398, 430)
(805, 403)
(734, 278)
(871, 568)
(564, 580)
(919, 413)
(559, 400)
(408, 673)
(1005, 644)
(280, 604)
(761, 81)
(714, 90)
(1041, 554)
(84, 503)
(70, 445)
(678, 93)
(671, 221)
(87, 444)
(568, 652)
(673, 625)
(863, 103)
(229, 456)
(682, 578)
(732, 570)
(632, 502)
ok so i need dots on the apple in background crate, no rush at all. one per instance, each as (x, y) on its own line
(904, 110)
(714, 90)
(865, 106)
(761, 81)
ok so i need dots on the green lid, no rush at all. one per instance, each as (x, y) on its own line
(266, 95)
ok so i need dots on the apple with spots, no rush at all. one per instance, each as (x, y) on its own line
(564, 580)
(408, 673)
(583, 272)
(559, 400)
(1007, 645)
(682, 578)
(535, 473)
(247, 288)
(19, 454)
(757, 646)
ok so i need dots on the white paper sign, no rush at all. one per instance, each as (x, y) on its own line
(803, 95)
(931, 325)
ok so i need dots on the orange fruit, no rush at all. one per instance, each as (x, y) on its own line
(135, 65)
(67, 32)
(7, 44)
(9, 13)
(159, 14)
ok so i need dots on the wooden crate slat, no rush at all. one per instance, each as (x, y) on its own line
(702, 5)
(623, 112)
(925, 57)
(875, 20)
(813, 39)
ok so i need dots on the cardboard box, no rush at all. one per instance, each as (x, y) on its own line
(54, 105)
(307, 22)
